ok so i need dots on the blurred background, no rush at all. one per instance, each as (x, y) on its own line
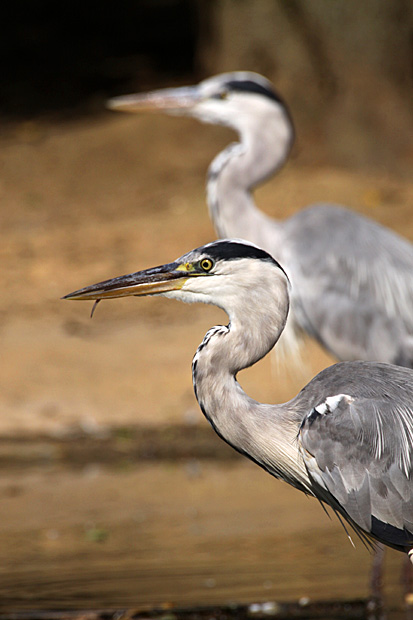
(114, 490)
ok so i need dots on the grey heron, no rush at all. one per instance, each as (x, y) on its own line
(352, 279)
(346, 438)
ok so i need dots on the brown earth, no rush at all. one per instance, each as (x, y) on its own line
(88, 201)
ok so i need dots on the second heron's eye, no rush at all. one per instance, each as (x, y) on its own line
(221, 95)
(206, 264)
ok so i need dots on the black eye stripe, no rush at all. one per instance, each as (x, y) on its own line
(250, 86)
(232, 250)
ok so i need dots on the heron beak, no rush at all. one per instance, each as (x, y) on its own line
(176, 100)
(156, 280)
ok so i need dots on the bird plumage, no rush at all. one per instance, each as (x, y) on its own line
(346, 438)
(359, 448)
(352, 279)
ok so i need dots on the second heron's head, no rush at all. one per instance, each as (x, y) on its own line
(237, 100)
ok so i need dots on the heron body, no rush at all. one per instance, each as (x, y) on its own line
(352, 279)
(346, 438)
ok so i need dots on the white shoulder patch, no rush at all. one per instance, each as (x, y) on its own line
(331, 403)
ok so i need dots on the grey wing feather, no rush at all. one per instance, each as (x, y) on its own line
(359, 450)
(356, 440)
(352, 283)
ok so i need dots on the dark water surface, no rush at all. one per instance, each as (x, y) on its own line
(180, 533)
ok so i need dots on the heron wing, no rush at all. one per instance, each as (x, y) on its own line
(357, 445)
(352, 284)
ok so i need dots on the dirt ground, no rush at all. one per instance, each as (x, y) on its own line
(89, 200)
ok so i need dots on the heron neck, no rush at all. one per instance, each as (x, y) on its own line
(225, 351)
(237, 170)
(265, 433)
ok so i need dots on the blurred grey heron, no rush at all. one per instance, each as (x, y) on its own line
(346, 438)
(352, 279)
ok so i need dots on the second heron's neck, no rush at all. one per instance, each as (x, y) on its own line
(234, 174)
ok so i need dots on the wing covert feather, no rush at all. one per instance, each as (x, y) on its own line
(359, 447)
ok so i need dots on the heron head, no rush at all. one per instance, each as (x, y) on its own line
(230, 99)
(231, 274)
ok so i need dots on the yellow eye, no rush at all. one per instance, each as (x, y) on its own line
(206, 264)
(223, 94)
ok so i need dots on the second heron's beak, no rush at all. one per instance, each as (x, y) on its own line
(154, 281)
(174, 100)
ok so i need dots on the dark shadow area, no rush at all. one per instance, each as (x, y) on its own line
(333, 610)
(117, 447)
(67, 58)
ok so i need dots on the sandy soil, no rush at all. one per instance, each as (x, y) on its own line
(91, 200)
(85, 201)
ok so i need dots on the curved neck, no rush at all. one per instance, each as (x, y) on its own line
(237, 170)
(265, 433)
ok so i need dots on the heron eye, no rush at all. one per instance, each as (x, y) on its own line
(221, 95)
(206, 264)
